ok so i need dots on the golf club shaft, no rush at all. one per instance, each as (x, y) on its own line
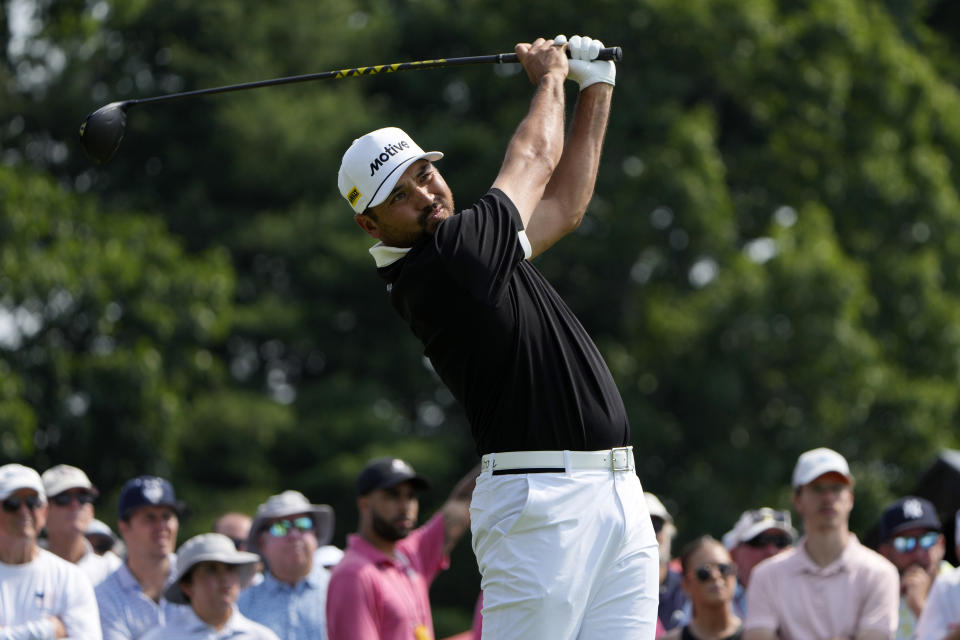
(609, 53)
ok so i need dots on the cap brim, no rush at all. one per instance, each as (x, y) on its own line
(386, 187)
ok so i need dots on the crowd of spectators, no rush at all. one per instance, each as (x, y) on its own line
(275, 575)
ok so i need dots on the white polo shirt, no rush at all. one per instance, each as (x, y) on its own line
(941, 613)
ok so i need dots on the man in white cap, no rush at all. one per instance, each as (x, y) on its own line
(131, 598)
(210, 571)
(758, 534)
(674, 605)
(291, 599)
(940, 619)
(41, 595)
(544, 410)
(829, 585)
(70, 496)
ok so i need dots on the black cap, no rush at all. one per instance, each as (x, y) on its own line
(384, 473)
(147, 491)
(908, 513)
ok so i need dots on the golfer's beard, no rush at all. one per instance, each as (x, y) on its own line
(386, 530)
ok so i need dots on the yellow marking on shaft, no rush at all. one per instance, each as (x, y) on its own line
(383, 68)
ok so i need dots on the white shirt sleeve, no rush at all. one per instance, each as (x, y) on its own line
(39, 630)
(939, 614)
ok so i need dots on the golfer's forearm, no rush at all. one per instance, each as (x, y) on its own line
(535, 148)
(573, 180)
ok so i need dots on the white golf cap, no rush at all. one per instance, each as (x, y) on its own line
(372, 165)
(209, 547)
(656, 508)
(14, 477)
(756, 521)
(63, 477)
(816, 462)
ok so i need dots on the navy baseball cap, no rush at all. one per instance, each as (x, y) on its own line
(383, 473)
(147, 491)
(908, 513)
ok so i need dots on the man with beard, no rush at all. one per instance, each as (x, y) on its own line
(911, 538)
(290, 600)
(561, 532)
(379, 590)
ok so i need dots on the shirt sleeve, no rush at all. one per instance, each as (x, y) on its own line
(881, 607)
(762, 600)
(424, 548)
(37, 630)
(482, 246)
(934, 622)
(80, 616)
(352, 607)
(112, 624)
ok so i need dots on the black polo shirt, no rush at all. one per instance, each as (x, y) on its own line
(510, 350)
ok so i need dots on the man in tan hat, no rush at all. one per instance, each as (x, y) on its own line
(287, 530)
(41, 595)
(209, 573)
(70, 495)
(758, 534)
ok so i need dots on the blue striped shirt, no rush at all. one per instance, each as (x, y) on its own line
(126, 612)
(293, 613)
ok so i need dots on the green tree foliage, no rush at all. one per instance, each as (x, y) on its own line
(770, 262)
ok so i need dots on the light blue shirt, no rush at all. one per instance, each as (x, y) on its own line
(293, 613)
(191, 627)
(126, 613)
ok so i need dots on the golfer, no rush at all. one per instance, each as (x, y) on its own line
(561, 531)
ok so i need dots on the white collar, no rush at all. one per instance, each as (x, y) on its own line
(384, 256)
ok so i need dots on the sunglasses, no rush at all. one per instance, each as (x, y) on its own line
(906, 544)
(12, 505)
(64, 499)
(704, 572)
(779, 540)
(657, 524)
(280, 528)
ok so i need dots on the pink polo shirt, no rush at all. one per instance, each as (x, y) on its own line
(375, 597)
(791, 595)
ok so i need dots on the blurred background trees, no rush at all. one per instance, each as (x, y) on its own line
(771, 261)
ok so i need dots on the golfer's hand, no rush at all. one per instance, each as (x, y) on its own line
(542, 58)
(585, 69)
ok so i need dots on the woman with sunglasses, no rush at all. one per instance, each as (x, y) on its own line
(710, 580)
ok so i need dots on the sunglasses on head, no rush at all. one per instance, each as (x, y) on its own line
(906, 544)
(63, 499)
(779, 540)
(280, 528)
(12, 505)
(704, 572)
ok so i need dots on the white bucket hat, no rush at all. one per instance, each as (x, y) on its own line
(286, 504)
(209, 547)
(372, 165)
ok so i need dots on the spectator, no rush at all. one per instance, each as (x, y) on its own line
(379, 590)
(131, 598)
(235, 526)
(759, 534)
(911, 538)
(41, 595)
(940, 619)
(709, 578)
(829, 585)
(102, 538)
(291, 599)
(70, 496)
(674, 607)
(210, 571)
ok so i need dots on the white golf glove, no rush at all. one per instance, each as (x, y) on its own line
(585, 69)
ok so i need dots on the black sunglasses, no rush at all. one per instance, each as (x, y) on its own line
(63, 499)
(12, 505)
(657, 524)
(704, 572)
(779, 540)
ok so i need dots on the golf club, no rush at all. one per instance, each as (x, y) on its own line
(103, 129)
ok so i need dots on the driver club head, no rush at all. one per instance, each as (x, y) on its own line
(102, 131)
